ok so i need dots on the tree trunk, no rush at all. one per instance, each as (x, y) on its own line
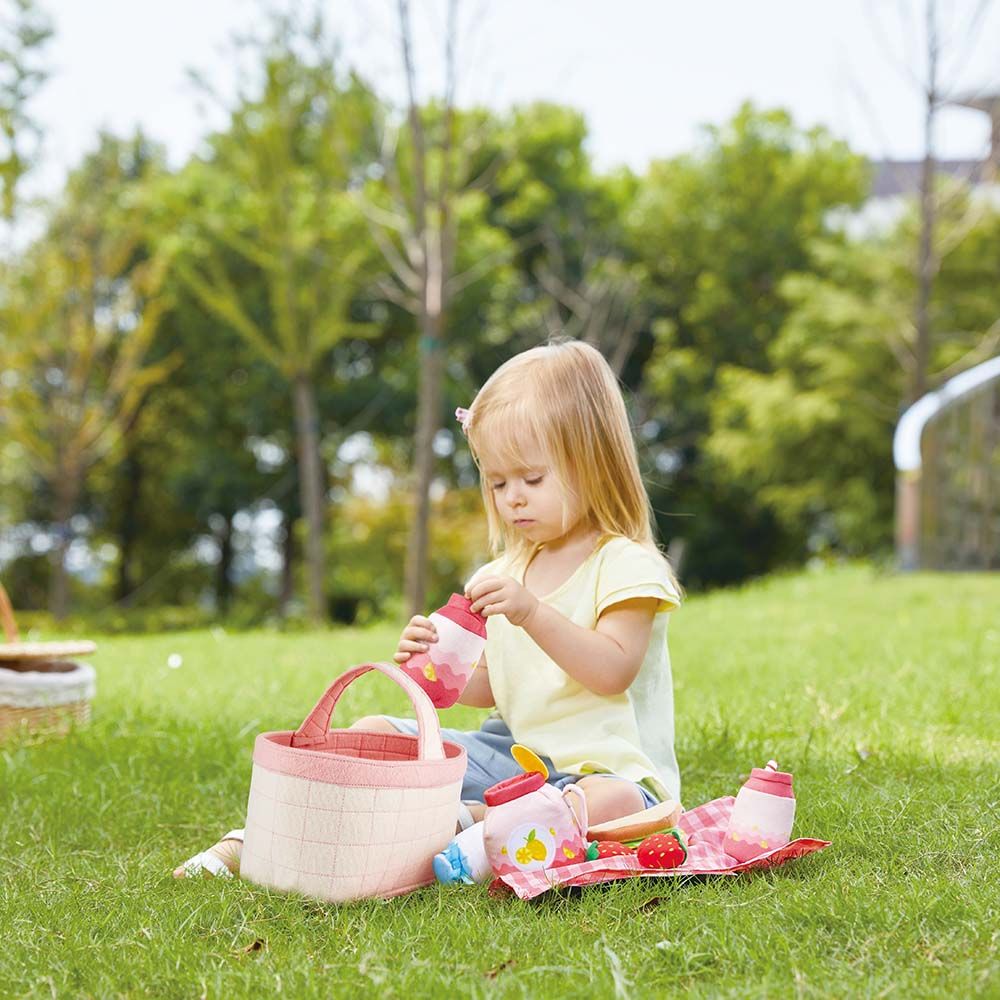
(431, 361)
(926, 262)
(223, 582)
(67, 491)
(926, 267)
(312, 491)
(129, 528)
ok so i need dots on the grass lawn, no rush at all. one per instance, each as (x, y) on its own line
(881, 693)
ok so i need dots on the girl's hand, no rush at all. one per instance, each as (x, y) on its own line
(416, 637)
(503, 595)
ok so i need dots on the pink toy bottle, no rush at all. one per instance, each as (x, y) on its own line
(529, 825)
(763, 814)
(445, 669)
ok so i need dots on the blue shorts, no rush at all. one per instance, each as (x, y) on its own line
(490, 761)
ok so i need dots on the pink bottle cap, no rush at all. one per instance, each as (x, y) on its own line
(771, 781)
(513, 788)
(458, 610)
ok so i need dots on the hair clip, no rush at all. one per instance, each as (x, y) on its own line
(462, 416)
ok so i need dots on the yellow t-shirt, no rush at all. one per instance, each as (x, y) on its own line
(631, 734)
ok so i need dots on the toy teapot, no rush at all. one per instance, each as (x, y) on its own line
(530, 825)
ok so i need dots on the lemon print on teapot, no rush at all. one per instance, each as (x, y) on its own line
(531, 847)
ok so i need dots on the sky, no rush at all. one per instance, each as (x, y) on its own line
(646, 73)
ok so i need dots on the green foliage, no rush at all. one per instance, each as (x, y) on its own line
(719, 231)
(966, 302)
(189, 455)
(721, 227)
(368, 550)
(764, 350)
(79, 313)
(273, 193)
(24, 32)
(813, 436)
(567, 221)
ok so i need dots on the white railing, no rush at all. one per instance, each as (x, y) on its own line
(908, 457)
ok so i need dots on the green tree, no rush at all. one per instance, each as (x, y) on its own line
(580, 277)
(274, 191)
(79, 316)
(717, 231)
(436, 164)
(24, 33)
(189, 452)
(813, 436)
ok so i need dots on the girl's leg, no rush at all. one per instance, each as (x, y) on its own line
(488, 755)
(610, 797)
(471, 810)
(380, 724)
(374, 724)
(222, 858)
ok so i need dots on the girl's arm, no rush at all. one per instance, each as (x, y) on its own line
(605, 659)
(478, 693)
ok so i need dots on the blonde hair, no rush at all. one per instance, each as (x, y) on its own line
(563, 399)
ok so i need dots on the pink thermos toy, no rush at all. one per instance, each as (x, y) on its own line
(763, 814)
(445, 669)
(529, 825)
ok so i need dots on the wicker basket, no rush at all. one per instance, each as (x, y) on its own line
(42, 690)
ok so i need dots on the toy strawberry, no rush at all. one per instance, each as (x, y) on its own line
(606, 849)
(663, 850)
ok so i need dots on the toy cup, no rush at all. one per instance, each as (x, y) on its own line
(763, 814)
(445, 669)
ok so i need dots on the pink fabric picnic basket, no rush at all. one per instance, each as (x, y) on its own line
(347, 814)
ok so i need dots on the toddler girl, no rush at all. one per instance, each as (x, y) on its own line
(576, 602)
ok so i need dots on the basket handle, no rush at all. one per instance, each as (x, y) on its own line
(317, 723)
(7, 617)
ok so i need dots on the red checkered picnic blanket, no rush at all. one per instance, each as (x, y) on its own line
(705, 828)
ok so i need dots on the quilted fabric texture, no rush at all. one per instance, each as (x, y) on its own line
(340, 842)
(347, 814)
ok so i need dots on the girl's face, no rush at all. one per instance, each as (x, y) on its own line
(529, 497)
